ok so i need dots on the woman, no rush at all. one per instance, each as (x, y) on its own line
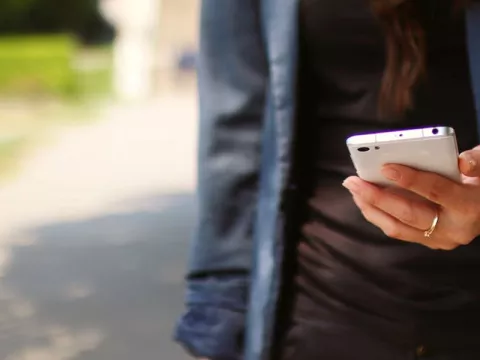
(287, 262)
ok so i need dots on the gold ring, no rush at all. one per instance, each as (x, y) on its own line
(428, 233)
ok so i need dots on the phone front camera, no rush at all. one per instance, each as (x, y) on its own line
(435, 131)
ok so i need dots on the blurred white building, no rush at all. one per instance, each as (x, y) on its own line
(149, 33)
(137, 26)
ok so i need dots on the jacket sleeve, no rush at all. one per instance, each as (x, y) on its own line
(232, 74)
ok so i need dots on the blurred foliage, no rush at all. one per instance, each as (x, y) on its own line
(53, 65)
(78, 17)
(37, 65)
(14, 14)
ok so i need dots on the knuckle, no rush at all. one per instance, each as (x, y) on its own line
(392, 231)
(405, 214)
(409, 179)
(374, 198)
(367, 216)
(362, 207)
(438, 189)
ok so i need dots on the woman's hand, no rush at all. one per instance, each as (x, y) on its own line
(405, 217)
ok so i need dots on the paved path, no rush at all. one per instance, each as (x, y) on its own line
(93, 238)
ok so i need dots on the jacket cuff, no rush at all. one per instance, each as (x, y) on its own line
(214, 323)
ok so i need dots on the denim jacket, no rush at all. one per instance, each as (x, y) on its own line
(247, 80)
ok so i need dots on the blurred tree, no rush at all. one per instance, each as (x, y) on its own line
(14, 15)
(79, 17)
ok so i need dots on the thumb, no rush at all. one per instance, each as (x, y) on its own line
(469, 162)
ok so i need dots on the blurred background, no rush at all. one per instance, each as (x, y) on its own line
(97, 174)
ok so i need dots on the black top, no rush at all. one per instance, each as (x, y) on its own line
(347, 267)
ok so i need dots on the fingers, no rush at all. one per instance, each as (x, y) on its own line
(469, 162)
(433, 187)
(390, 226)
(395, 229)
(409, 211)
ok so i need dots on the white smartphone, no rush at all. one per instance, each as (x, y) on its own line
(430, 149)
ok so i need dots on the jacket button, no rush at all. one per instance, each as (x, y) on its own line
(421, 350)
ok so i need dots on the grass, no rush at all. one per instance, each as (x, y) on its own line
(37, 65)
(47, 81)
(46, 66)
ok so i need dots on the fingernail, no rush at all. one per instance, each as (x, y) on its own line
(351, 185)
(472, 163)
(391, 173)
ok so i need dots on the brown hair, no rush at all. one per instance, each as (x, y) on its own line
(405, 52)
